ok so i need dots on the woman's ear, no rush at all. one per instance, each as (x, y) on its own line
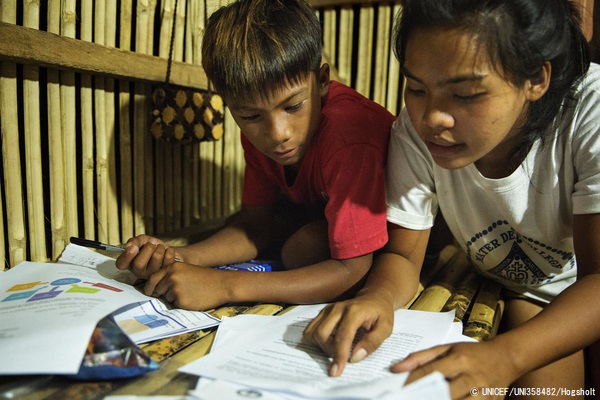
(324, 73)
(538, 86)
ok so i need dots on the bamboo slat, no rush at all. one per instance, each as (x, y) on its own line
(55, 144)
(126, 186)
(394, 101)
(345, 45)
(111, 125)
(330, 35)
(87, 130)
(382, 54)
(69, 122)
(11, 156)
(365, 51)
(33, 146)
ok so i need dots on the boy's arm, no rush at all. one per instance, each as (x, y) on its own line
(392, 283)
(239, 241)
(196, 288)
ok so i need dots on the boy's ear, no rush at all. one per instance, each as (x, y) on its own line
(538, 86)
(324, 72)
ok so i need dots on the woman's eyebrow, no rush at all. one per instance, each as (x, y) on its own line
(454, 80)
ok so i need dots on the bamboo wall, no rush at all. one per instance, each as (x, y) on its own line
(77, 155)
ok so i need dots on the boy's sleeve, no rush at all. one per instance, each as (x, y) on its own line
(356, 209)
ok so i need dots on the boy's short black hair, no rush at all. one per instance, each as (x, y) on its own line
(252, 48)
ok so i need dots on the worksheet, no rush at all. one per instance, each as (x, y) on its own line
(268, 353)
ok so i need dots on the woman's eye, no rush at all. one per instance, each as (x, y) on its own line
(467, 98)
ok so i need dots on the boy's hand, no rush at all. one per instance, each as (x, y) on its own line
(336, 326)
(145, 255)
(190, 287)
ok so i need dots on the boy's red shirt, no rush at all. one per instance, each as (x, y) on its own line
(342, 172)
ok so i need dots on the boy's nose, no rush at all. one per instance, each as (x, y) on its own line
(279, 131)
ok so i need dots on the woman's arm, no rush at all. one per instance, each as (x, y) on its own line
(566, 325)
(392, 283)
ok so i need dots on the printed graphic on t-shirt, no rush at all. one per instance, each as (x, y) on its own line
(502, 252)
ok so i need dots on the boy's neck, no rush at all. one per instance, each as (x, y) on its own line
(291, 172)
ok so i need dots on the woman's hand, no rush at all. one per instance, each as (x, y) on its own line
(468, 367)
(336, 326)
(145, 255)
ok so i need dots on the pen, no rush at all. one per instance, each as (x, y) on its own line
(95, 245)
(101, 246)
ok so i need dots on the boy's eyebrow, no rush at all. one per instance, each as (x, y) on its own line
(453, 80)
(251, 108)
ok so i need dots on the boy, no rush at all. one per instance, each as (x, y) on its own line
(315, 153)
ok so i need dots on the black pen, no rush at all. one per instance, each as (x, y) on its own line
(95, 245)
(101, 246)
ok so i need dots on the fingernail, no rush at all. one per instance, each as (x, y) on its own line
(358, 355)
(333, 370)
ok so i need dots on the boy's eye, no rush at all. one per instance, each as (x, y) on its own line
(249, 117)
(415, 92)
(294, 107)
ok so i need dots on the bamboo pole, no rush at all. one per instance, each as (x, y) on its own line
(55, 144)
(69, 122)
(174, 190)
(329, 35)
(191, 187)
(140, 195)
(461, 299)
(11, 154)
(100, 123)
(365, 50)
(87, 131)
(382, 54)
(150, 164)
(163, 173)
(111, 126)
(125, 129)
(33, 153)
(482, 324)
(437, 293)
(345, 45)
(394, 89)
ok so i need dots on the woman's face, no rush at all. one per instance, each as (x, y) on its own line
(459, 104)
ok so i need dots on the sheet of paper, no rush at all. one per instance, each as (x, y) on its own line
(48, 313)
(85, 257)
(144, 321)
(275, 358)
(152, 320)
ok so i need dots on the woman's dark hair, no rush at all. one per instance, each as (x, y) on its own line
(519, 37)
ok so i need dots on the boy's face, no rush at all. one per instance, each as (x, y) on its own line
(282, 125)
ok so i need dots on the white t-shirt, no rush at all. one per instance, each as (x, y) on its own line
(517, 230)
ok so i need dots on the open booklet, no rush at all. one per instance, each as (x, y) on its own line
(267, 354)
(49, 311)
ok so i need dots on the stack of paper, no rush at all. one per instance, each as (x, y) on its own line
(267, 354)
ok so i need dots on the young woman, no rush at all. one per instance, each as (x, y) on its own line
(500, 134)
